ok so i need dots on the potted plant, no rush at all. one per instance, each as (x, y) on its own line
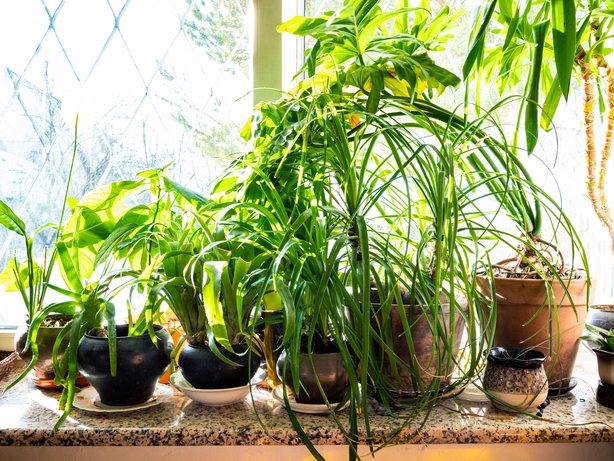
(211, 275)
(92, 279)
(363, 171)
(32, 280)
(603, 340)
(542, 299)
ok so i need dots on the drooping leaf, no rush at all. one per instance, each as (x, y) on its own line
(564, 41)
(477, 47)
(531, 117)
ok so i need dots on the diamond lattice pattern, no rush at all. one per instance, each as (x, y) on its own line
(154, 82)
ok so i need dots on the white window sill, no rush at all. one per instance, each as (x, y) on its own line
(7, 342)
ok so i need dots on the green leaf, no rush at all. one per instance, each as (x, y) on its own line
(377, 85)
(550, 105)
(477, 47)
(212, 286)
(10, 220)
(187, 193)
(246, 131)
(531, 118)
(12, 277)
(68, 268)
(109, 195)
(511, 29)
(564, 40)
(300, 25)
(312, 59)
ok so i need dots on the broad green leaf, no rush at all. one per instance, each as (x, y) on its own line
(564, 41)
(10, 220)
(11, 273)
(300, 25)
(109, 195)
(88, 227)
(224, 185)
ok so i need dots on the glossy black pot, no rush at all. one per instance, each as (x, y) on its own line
(204, 370)
(140, 363)
(330, 372)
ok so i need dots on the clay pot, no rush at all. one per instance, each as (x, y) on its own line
(140, 364)
(43, 374)
(523, 321)
(516, 377)
(205, 370)
(330, 372)
(422, 337)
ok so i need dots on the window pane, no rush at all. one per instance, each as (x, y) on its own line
(154, 81)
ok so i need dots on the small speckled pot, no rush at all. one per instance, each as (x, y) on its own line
(516, 377)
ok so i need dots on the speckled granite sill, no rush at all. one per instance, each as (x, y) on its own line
(27, 416)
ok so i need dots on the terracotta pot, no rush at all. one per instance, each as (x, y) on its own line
(422, 337)
(140, 363)
(330, 372)
(519, 300)
(43, 374)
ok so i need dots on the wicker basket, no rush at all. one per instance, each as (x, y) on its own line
(6, 362)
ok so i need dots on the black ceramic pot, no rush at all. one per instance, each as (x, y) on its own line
(140, 363)
(330, 372)
(204, 370)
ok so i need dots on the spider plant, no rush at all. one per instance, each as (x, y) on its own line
(397, 187)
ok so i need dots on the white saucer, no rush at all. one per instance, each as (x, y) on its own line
(215, 397)
(89, 400)
(309, 408)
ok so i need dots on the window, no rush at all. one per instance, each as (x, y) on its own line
(160, 81)
(154, 82)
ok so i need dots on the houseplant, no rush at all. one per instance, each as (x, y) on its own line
(403, 189)
(32, 280)
(211, 274)
(546, 41)
(604, 350)
(92, 280)
(359, 210)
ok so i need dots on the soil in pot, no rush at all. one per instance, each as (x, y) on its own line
(518, 301)
(204, 370)
(140, 364)
(43, 374)
(330, 373)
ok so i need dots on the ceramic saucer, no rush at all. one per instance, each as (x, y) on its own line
(309, 408)
(215, 397)
(89, 400)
